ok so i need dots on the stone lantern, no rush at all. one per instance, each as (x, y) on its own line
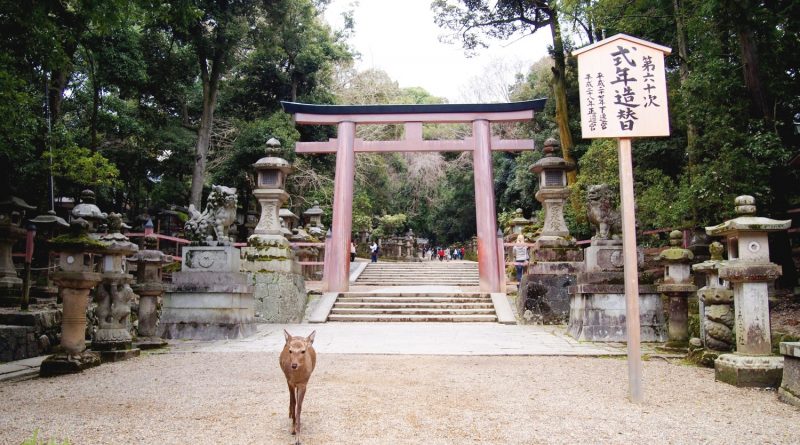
(270, 193)
(289, 218)
(278, 286)
(114, 296)
(715, 302)
(48, 225)
(553, 194)
(12, 212)
(76, 275)
(313, 218)
(149, 287)
(749, 269)
(518, 223)
(677, 286)
(88, 211)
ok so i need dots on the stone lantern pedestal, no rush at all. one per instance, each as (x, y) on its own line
(555, 259)
(715, 302)
(750, 271)
(76, 276)
(278, 283)
(149, 287)
(114, 296)
(677, 286)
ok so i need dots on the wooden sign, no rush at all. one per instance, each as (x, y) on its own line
(623, 88)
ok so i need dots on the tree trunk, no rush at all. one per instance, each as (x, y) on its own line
(691, 129)
(210, 88)
(560, 94)
(55, 93)
(758, 94)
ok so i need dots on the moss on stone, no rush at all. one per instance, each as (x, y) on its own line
(73, 242)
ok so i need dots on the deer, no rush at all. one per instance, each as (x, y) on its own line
(297, 361)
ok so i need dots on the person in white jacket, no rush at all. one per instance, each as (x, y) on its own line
(521, 257)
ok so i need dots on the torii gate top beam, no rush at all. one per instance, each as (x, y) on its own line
(398, 114)
(412, 117)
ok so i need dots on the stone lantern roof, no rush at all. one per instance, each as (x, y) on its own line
(747, 222)
(286, 213)
(272, 162)
(519, 220)
(711, 265)
(314, 210)
(117, 243)
(675, 253)
(87, 208)
(49, 218)
(550, 161)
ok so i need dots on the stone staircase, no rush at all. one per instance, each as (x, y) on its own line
(446, 273)
(407, 307)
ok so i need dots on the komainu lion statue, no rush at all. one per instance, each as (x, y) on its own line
(602, 212)
(212, 225)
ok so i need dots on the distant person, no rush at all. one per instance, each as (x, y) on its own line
(440, 254)
(373, 252)
(520, 256)
(447, 254)
(352, 251)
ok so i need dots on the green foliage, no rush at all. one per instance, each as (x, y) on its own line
(390, 225)
(80, 166)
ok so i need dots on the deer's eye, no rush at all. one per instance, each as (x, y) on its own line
(302, 352)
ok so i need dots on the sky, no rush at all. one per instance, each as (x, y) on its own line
(400, 37)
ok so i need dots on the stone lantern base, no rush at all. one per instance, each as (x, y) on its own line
(749, 371)
(279, 289)
(789, 391)
(60, 364)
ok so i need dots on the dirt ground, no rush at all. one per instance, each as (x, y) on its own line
(241, 398)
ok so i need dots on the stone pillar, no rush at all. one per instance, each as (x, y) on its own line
(485, 207)
(677, 286)
(715, 302)
(149, 287)
(114, 297)
(75, 277)
(750, 271)
(342, 210)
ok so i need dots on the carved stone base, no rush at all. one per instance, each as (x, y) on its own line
(279, 297)
(598, 313)
(749, 371)
(10, 295)
(789, 391)
(60, 364)
(118, 355)
(145, 343)
(106, 339)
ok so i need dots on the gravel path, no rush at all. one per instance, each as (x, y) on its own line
(241, 398)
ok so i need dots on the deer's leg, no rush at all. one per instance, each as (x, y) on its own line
(301, 393)
(291, 402)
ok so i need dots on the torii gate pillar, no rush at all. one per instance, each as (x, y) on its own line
(339, 277)
(488, 261)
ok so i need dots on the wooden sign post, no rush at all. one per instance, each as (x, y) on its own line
(623, 92)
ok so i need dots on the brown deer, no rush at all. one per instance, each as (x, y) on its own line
(297, 360)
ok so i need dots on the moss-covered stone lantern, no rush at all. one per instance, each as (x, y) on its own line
(677, 285)
(313, 217)
(77, 273)
(149, 287)
(749, 269)
(715, 301)
(518, 223)
(114, 296)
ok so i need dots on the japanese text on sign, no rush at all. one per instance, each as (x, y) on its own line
(623, 89)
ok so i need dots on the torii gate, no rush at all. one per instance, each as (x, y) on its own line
(481, 143)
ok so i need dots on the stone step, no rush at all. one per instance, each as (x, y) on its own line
(419, 305)
(412, 311)
(418, 282)
(414, 300)
(413, 318)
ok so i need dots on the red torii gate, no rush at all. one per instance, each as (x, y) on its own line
(481, 144)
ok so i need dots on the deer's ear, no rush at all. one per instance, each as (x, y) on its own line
(287, 335)
(310, 338)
